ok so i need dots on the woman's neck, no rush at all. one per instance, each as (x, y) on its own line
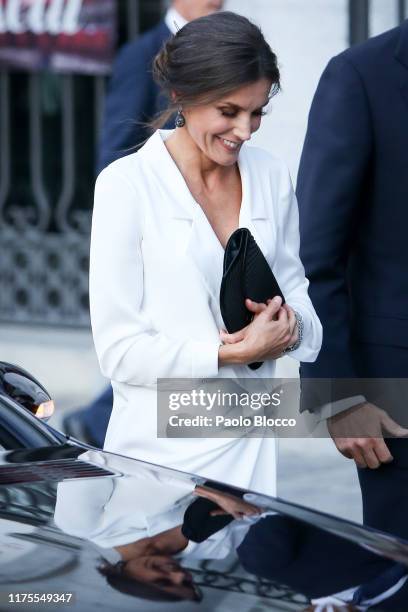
(193, 163)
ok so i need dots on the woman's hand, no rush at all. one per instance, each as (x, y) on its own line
(257, 308)
(271, 331)
(228, 504)
(238, 508)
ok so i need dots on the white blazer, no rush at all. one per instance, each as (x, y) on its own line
(115, 511)
(138, 503)
(155, 275)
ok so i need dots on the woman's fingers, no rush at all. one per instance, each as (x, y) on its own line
(272, 308)
(283, 315)
(272, 305)
(254, 307)
(254, 509)
(270, 321)
(227, 338)
(269, 311)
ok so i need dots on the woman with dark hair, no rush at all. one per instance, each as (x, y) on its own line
(161, 221)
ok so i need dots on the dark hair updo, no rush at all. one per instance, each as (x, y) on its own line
(209, 58)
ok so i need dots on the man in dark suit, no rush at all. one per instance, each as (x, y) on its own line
(133, 99)
(353, 195)
(328, 569)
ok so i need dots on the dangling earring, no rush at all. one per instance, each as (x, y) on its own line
(180, 119)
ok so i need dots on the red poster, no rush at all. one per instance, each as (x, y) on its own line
(70, 36)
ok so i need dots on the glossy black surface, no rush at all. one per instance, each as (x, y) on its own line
(121, 534)
(64, 534)
(20, 386)
(20, 428)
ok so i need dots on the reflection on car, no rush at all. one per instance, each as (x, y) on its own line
(118, 533)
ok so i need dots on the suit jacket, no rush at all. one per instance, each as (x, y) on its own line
(155, 274)
(353, 193)
(311, 561)
(132, 97)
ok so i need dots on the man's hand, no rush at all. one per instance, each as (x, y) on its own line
(358, 434)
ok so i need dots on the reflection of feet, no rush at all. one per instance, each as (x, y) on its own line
(74, 426)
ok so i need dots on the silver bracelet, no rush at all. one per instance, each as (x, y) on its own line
(300, 326)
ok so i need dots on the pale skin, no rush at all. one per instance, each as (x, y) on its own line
(193, 9)
(370, 450)
(150, 560)
(227, 503)
(209, 166)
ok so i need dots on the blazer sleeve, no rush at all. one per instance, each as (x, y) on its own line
(128, 103)
(128, 347)
(332, 176)
(291, 274)
(89, 498)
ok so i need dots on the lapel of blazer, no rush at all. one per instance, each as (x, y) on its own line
(253, 214)
(191, 227)
(205, 249)
(401, 55)
(192, 233)
(203, 246)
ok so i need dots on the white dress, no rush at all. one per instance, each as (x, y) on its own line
(155, 275)
(143, 502)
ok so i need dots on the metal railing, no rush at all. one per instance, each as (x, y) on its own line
(359, 12)
(49, 129)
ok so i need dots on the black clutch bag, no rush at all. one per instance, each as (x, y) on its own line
(246, 274)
